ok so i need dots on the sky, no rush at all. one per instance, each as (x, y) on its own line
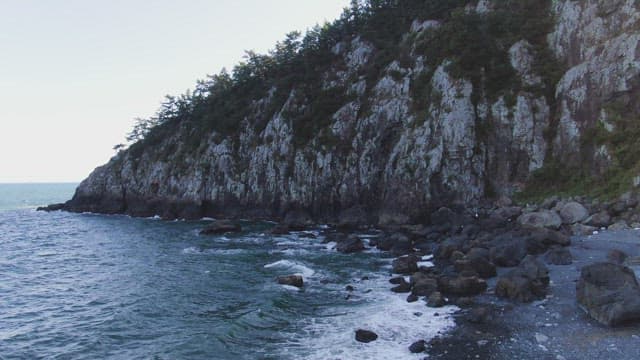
(75, 73)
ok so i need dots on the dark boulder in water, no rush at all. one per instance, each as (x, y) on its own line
(221, 227)
(52, 207)
(609, 293)
(291, 280)
(366, 336)
(418, 347)
(350, 245)
(280, 229)
(405, 265)
(528, 282)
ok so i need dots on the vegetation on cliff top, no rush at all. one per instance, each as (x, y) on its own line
(475, 43)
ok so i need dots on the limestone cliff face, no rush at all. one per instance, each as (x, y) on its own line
(379, 160)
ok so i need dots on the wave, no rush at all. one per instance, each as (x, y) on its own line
(300, 269)
(397, 323)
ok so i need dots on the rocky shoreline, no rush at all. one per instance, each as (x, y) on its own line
(512, 270)
(500, 266)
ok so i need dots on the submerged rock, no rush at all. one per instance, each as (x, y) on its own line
(609, 293)
(366, 336)
(418, 347)
(221, 227)
(291, 280)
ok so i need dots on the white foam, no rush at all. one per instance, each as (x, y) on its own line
(385, 313)
(291, 288)
(330, 245)
(292, 265)
(425, 264)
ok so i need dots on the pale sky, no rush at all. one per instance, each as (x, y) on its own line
(75, 73)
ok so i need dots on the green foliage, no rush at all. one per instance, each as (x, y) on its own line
(477, 44)
(622, 142)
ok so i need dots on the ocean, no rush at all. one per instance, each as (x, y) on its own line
(87, 286)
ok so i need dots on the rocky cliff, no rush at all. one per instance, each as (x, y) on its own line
(407, 132)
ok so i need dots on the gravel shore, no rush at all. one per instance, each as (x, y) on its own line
(553, 328)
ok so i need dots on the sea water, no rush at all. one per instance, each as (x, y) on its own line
(86, 286)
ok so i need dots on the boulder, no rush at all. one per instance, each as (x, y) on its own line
(507, 213)
(508, 252)
(402, 287)
(405, 265)
(609, 293)
(350, 245)
(365, 336)
(573, 212)
(548, 237)
(619, 226)
(280, 229)
(479, 261)
(448, 247)
(582, 230)
(528, 282)
(423, 285)
(418, 347)
(558, 256)
(599, 220)
(221, 227)
(462, 285)
(436, 300)
(542, 219)
(291, 280)
(617, 256)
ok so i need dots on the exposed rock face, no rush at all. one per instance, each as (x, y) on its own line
(609, 293)
(389, 164)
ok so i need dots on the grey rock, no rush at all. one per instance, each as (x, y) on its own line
(366, 336)
(528, 282)
(609, 293)
(599, 220)
(573, 212)
(619, 226)
(221, 227)
(436, 300)
(406, 265)
(543, 219)
(350, 245)
(559, 256)
(418, 347)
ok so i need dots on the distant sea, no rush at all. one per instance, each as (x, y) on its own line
(85, 286)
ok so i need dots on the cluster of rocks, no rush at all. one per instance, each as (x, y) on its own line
(468, 248)
(582, 216)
